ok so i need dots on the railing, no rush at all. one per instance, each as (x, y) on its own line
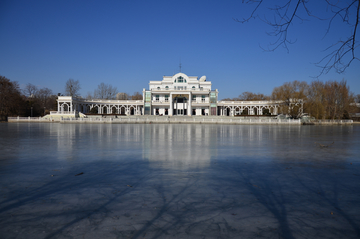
(116, 101)
(175, 119)
(333, 121)
(183, 119)
(30, 119)
(181, 89)
(265, 102)
(62, 112)
(193, 102)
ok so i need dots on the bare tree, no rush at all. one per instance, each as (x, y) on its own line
(338, 99)
(72, 87)
(247, 96)
(89, 96)
(11, 101)
(30, 90)
(137, 96)
(105, 91)
(357, 98)
(340, 54)
(293, 94)
(316, 105)
(44, 95)
(122, 96)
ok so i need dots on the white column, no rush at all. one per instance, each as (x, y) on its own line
(171, 105)
(190, 109)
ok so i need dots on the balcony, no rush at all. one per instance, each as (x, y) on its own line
(180, 89)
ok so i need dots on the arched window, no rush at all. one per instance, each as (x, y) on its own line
(180, 79)
(158, 88)
(193, 87)
(167, 87)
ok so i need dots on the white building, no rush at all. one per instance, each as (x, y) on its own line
(174, 95)
(180, 95)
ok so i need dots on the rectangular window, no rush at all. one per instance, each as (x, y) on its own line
(157, 98)
(203, 98)
(166, 98)
(193, 97)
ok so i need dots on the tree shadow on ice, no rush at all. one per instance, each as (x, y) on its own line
(252, 197)
(187, 209)
(335, 197)
(166, 208)
(301, 204)
(71, 198)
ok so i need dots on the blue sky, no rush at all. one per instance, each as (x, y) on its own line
(128, 43)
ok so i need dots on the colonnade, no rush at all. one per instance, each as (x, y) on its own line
(132, 107)
(125, 108)
(234, 109)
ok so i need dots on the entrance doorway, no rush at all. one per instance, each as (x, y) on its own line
(181, 112)
(180, 105)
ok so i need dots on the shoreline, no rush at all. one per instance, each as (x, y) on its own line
(179, 120)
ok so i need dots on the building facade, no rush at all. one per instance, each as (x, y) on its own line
(179, 95)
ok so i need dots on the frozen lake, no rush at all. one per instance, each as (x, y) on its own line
(179, 181)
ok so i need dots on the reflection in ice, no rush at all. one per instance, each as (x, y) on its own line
(178, 181)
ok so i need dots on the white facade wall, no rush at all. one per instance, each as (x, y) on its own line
(187, 95)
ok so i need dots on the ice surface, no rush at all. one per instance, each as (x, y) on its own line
(179, 181)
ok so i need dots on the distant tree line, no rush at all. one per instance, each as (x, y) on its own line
(11, 100)
(109, 92)
(31, 101)
(322, 100)
(34, 101)
(248, 96)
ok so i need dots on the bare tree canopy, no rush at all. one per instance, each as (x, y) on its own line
(39, 101)
(329, 100)
(30, 90)
(105, 91)
(137, 96)
(252, 96)
(248, 96)
(11, 102)
(44, 96)
(357, 98)
(89, 96)
(286, 13)
(293, 94)
(122, 96)
(72, 87)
